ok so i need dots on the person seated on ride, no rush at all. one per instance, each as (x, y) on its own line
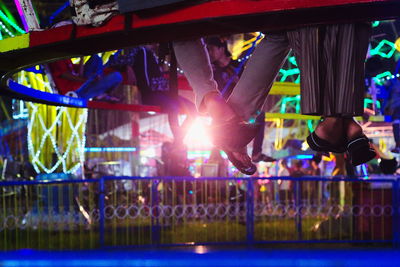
(154, 87)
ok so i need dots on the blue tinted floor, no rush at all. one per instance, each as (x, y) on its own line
(200, 257)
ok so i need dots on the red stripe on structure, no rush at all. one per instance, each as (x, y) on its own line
(49, 36)
(125, 107)
(218, 8)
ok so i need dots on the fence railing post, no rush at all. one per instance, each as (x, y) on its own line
(250, 211)
(396, 217)
(101, 211)
(299, 206)
(155, 223)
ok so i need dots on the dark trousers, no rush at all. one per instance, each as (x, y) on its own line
(259, 138)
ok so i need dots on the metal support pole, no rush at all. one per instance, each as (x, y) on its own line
(250, 211)
(101, 212)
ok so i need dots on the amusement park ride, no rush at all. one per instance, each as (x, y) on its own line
(138, 24)
(189, 19)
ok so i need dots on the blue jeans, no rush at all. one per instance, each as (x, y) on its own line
(97, 84)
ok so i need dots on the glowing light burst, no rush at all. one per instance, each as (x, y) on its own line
(198, 135)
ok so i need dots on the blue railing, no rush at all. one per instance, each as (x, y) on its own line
(141, 211)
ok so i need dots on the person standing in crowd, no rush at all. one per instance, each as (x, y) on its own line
(285, 186)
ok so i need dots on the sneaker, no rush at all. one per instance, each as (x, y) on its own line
(262, 157)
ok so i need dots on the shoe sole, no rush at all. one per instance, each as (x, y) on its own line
(312, 141)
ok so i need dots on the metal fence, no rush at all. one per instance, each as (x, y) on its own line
(136, 211)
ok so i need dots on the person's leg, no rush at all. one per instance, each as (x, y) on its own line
(94, 66)
(193, 58)
(188, 108)
(99, 86)
(257, 155)
(259, 138)
(260, 72)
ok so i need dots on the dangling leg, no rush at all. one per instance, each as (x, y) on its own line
(193, 58)
(249, 94)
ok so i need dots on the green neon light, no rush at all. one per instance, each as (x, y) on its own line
(380, 78)
(310, 125)
(7, 12)
(293, 60)
(6, 19)
(4, 28)
(384, 44)
(1, 36)
(287, 73)
(370, 101)
(295, 99)
(375, 23)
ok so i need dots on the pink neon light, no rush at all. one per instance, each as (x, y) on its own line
(21, 14)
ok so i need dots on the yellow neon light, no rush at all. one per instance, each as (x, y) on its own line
(285, 88)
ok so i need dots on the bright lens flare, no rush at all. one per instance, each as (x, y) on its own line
(198, 136)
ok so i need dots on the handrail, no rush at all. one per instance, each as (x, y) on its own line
(190, 178)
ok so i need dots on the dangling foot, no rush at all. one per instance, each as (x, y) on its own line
(228, 130)
(328, 136)
(359, 147)
(241, 161)
(262, 157)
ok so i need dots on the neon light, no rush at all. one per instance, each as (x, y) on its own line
(303, 156)
(370, 101)
(292, 60)
(380, 78)
(15, 26)
(7, 12)
(397, 44)
(110, 149)
(286, 73)
(58, 11)
(6, 30)
(295, 99)
(375, 23)
(21, 15)
(55, 98)
(383, 44)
